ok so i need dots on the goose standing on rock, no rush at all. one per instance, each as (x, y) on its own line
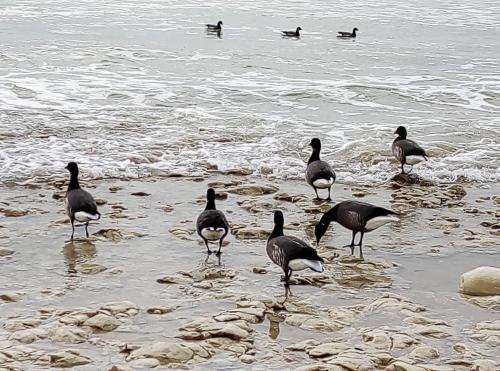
(213, 27)
(80, 205)
(347, 35)
(357, 216)
(406, 150)
(212, 225)
(295, 33)
(318, 173)
(291, 253)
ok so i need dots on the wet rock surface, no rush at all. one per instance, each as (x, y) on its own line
(115, 301)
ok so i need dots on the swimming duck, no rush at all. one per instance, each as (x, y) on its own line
(344, 34)
(295, 33)
(213, 27)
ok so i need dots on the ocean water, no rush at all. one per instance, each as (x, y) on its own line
(136, 88)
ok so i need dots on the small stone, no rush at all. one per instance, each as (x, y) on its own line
(481, 281)
(424, 353)
(144, 363)
(10, 297)
(67, 358)
(160, 310)
(328, 349)
(28, 336)
(249, 233)
(114, 189)
(484, 365)
(100, 201)
(168, 352)
(253, 190)
(167, 208)
(259, 270)
(14, 213)
(5, 252)
(90, 268)
(102, 322)
(246, 358)
(141, 194)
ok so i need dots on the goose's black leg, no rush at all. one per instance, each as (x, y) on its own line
(288, 274)
(403, 167)
(86, 229)
(73, 228)
(329, 191)
(316, 191)
(352, 243)
(206, 244)
(220, 246)
(361, 247)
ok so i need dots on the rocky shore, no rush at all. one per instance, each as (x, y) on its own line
(141, 293)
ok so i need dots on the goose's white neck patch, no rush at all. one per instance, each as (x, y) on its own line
(301, 264)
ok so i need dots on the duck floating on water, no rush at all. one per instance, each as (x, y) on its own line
(213, 27)
(295, 33)
(346, 35)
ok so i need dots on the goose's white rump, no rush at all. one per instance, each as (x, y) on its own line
(413, 160)
(301, 264)
(323, 183)
(379, 221)
(213, 234)
(84, 217)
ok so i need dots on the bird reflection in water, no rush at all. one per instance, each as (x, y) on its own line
(217, 33)
(76, 253)
(274, 325)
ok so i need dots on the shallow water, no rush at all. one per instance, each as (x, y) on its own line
(136, 88)
(427, 266)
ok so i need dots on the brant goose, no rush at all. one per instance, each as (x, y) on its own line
(291, 253)
(318, 173)
(358, 217)
(80, 205)
(344, 34)
(295, 33)
(214, 27)
(212, 225)
(406, 150)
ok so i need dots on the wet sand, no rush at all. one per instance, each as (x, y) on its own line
(408, 284)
